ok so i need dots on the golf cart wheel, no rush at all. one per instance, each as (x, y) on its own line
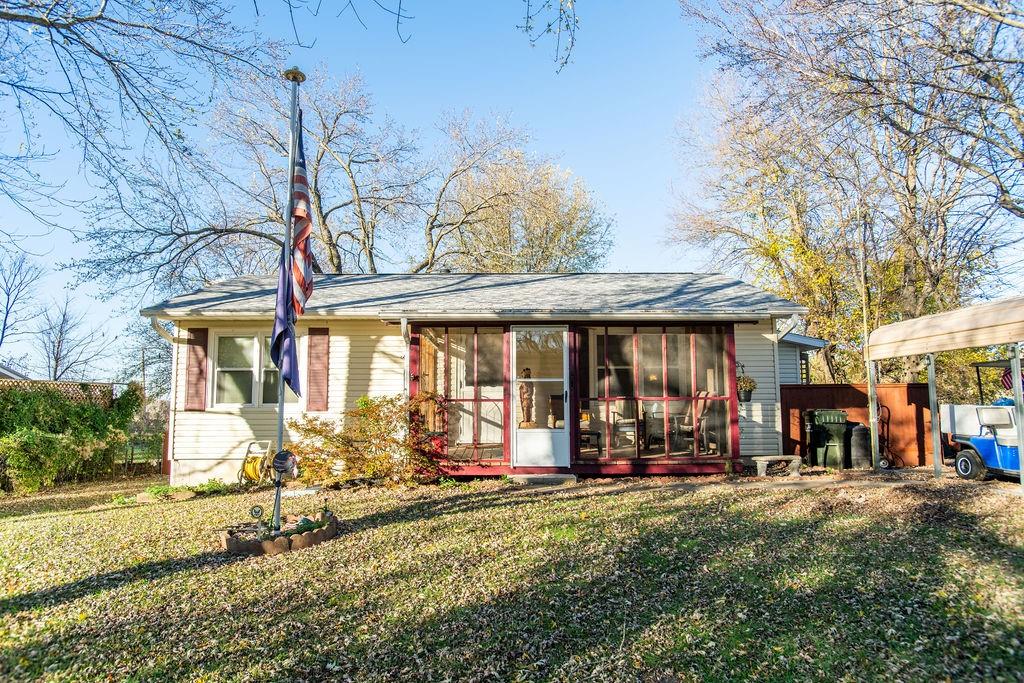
(969, 465)
(884, 464)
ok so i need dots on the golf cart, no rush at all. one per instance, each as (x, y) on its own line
(997, 430)
(986, 437)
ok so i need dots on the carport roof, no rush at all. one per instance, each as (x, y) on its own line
(489, 296)
(987, 324)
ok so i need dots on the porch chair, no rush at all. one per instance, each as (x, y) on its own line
(624, 425)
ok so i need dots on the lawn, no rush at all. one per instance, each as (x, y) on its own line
(660, 580)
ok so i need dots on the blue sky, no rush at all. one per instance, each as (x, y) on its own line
(610, 116)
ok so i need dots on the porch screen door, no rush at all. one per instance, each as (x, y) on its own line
(540, 393)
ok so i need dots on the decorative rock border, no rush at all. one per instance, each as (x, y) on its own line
(231, 541)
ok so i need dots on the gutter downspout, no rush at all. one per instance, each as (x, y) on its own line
(173, 340)
(154, 322)
(788, 327)
(174, 396)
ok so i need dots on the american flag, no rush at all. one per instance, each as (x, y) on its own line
(1006, 379)
(295, 288)
(302, 227)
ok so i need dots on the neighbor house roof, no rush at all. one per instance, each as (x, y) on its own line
(477, 296)
(10, 373)
(803, 340)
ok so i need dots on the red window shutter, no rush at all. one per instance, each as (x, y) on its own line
(195, 368)
(318, 368)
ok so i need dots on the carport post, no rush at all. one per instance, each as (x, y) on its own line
(1018, 405)
(933, 406)
(873, 414)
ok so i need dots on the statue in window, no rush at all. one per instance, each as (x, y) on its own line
(526, 390)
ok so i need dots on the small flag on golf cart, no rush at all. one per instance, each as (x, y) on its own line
(1007, 381)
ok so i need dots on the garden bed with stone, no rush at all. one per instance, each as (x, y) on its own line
(297, 532)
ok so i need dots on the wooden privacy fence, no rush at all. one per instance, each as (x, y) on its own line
(97, 392)
(904, 419)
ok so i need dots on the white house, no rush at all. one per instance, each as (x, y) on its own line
(592, 373)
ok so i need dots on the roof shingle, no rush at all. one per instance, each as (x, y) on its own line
(488, 295)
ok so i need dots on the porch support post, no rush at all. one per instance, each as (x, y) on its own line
(1018, 406)
(873, 414)
(933, 406)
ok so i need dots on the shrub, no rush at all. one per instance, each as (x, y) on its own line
(380, 439)
(35, 458)
(47, 438)
(214, 487)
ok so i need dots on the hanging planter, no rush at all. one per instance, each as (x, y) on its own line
(745, 385)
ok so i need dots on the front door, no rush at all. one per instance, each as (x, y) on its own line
(540, 394)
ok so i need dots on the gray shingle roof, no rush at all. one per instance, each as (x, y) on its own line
(481, 296)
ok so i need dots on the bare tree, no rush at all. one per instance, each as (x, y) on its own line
(554, 19)
(538, 219)
(804, 207)
(115, 74)
(146, 359)
(376, 196)
(19, 280)
(67, 349)
(955, 66)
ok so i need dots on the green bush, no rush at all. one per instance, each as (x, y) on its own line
(214, 487)
(35, 458)
(47, 438)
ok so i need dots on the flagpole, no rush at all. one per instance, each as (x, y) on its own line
(295, 76)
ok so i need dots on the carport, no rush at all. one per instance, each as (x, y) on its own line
(989, 324)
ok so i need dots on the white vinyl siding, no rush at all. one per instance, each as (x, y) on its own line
(366, 358)
(760, 430)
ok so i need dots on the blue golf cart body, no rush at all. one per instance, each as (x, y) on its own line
(993, 449)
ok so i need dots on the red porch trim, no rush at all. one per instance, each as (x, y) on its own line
(506, 434)
(630, 468)
(571, 412)
(636, 465)
(734, 402)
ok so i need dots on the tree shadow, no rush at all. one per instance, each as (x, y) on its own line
(73, 497)
(112, 580)
(674, 587)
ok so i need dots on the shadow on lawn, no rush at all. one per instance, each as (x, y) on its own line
(73, 497)
(145, 571)
(711, 590)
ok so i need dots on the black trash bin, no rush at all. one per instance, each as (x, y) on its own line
(860, 447)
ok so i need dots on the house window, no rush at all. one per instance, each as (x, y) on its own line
(466, 366)
(653, 392)
(270, 377)
(244, 372)
(235, 361)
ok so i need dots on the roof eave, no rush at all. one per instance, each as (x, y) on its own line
(421, 315)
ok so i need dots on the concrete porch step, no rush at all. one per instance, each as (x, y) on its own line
(542, 479)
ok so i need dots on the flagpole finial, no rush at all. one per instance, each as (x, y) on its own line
(294, 75)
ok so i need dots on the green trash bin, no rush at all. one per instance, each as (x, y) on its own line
(830, 444)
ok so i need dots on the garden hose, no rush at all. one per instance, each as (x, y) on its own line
(252, 467)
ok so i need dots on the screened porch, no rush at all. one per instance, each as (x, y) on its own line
(614, 393)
